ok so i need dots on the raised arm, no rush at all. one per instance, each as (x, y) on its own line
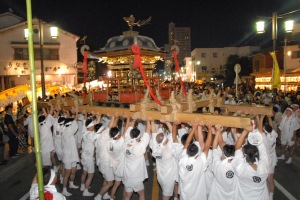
(174, 132)
(218, 134)
(200, 135)
(190, 137)
(241, 139)
(111, 122)
(208, 140)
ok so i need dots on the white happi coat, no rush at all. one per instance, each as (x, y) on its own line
(70, 153)
(192, 185)
(117, 156)
(224, 178)
(29, 122)
(102, 155)
(46, 140)
(88, 148)
(269, 140)
(251, 184)
(166, 166)
(34, 192)
(57, 138)
(287, 126)
(78, 136)
(135, 169)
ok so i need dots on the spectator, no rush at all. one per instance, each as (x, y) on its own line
(12, 132)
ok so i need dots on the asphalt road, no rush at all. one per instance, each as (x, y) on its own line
(16, 177)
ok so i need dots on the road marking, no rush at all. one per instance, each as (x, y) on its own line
(155, 187)
(26, 196)
(284, 191)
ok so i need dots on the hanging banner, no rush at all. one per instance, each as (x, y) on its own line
(138, 65)
(177, 69)
(276, 82)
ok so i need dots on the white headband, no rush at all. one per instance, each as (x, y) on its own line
(116, 136)
(51, 177)
(90, 125)
(290, 109)
(68, 123)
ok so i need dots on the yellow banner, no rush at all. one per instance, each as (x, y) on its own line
(276, 83)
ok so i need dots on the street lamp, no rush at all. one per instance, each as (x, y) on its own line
(260, 28)
(54, 35)
(289, 27)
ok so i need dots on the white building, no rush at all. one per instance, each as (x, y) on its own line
(204, 63)
(59, 55)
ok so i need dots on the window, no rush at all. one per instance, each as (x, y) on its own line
(296, 54)
(204, 69)
(215, 55)
(203, 55)
(48, 54)
(213, 70)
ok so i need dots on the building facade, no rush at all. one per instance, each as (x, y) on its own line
(59, 55)
(181, 37)
(205, 63)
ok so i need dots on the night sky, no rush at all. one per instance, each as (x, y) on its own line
(214, 23)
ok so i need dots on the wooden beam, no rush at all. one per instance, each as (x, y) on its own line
(254, 110)
(228, 121)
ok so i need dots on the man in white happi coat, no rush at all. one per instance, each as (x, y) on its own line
(269, 140)
(224, 177)
(102, 159)
(250, 165)
(135, 171)
(117, 155)
(58, 127)
(166, 166)
(288, 126)
(87, 157)
(70, 154)
(46, 140)
(192, 166)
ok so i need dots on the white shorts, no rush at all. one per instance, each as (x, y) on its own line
(46, 160)
(107, 173)
(135, 187)
(287, 140)
(271, 169)
(90, 168)
(167, 188)
(59, 154)
(70, 165)
(118, 178)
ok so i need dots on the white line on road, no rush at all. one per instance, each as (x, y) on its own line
(284, 191)
(26, 196)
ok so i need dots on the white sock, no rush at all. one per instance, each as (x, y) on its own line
(271, 195)
(82, 186)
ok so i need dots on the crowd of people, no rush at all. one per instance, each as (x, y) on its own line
(193, 160)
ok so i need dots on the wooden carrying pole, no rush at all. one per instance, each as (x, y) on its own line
(228, 121)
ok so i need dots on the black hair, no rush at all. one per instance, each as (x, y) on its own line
(67, 120)
(251, 152)
(184, 138)
(87, 122)
(113, 132)
(46, 175)
(61, 119)
(275, 109)
(42, 118)
(268, 128)
(8, 107)
(134, 133)
(192, 150)
(97, 127)
(228, 150)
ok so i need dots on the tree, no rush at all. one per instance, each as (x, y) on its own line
(232, 60)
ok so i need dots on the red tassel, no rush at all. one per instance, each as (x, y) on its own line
(138, 64)
(177, 69)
